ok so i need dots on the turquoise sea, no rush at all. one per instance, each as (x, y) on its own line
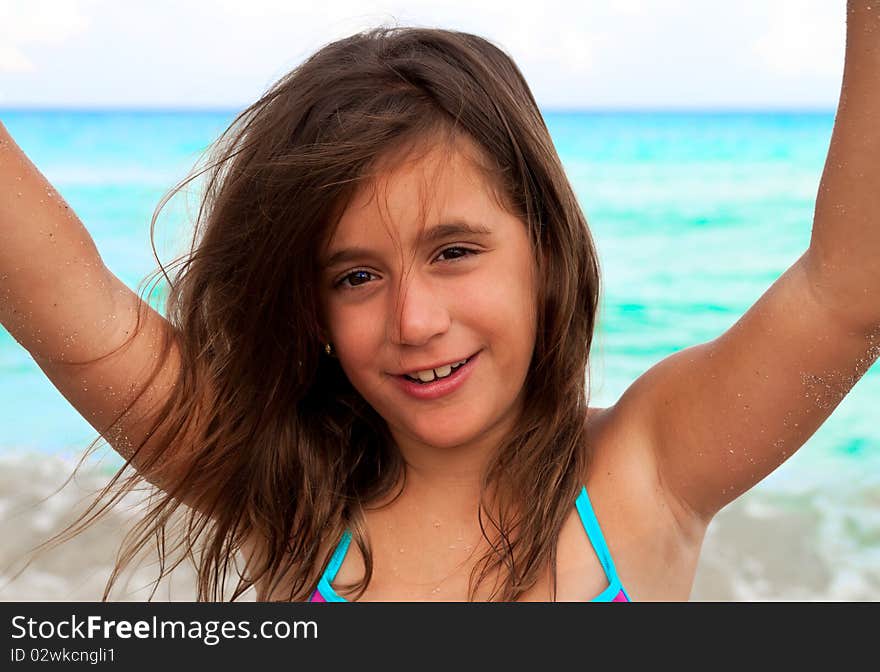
(695, 215)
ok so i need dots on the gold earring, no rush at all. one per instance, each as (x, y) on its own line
(328, 349)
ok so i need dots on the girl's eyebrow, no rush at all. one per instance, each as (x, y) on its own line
(433, 235)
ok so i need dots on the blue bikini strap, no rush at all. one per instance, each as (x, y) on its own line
(338, 557)
(594, 532)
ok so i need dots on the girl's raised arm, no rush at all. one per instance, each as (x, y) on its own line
(720, 416)
(62, 304)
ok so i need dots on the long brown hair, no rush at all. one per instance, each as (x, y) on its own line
(285, 449)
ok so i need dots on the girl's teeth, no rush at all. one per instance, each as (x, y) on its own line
(442, 372)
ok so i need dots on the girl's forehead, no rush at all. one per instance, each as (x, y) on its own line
(404, 197)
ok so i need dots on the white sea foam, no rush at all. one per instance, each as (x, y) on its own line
(769, 545)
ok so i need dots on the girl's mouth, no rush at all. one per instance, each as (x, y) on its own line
(442, 372)
(439, 386)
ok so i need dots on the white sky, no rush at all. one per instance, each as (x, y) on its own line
(588, 54)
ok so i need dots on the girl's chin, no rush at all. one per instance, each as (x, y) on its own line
(442, 436)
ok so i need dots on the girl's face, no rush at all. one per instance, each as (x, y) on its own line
(399, 298)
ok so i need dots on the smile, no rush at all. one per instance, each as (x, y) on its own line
(435, 383)
(429, 375)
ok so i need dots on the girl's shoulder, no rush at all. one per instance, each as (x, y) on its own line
(654, 542)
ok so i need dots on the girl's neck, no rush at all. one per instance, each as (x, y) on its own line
(450, 476)
(442, 494)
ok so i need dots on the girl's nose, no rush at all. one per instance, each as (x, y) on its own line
(419, 314)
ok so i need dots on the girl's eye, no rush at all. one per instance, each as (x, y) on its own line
(356, 279)
(466, 252)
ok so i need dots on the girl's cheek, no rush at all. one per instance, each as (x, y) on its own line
(361, 333)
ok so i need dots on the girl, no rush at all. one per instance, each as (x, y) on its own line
(371, 381)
